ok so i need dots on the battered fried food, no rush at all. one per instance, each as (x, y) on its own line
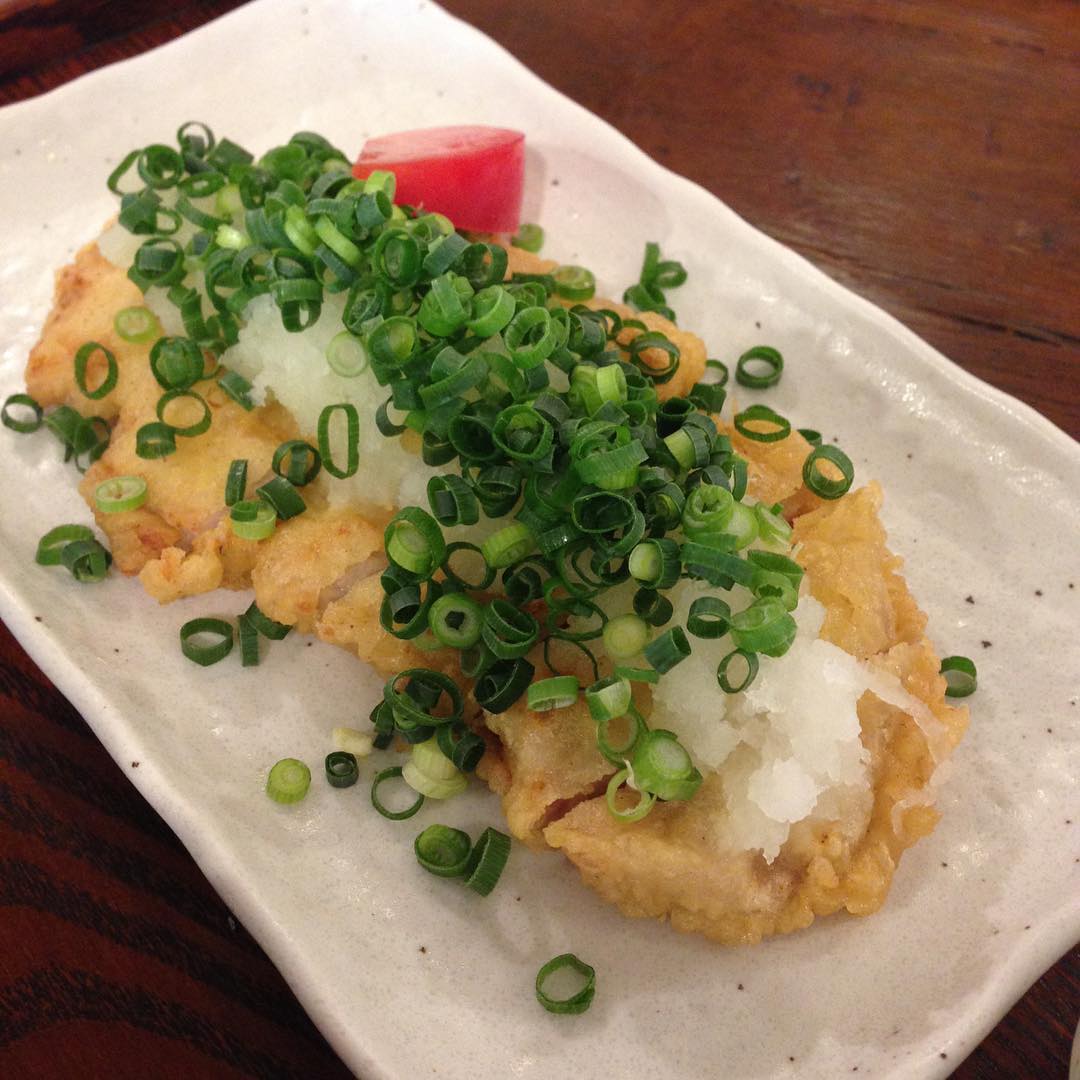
(320, 572)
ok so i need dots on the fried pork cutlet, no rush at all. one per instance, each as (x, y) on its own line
(319, 572)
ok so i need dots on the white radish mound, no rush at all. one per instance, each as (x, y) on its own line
(292, 369)
(788, 747)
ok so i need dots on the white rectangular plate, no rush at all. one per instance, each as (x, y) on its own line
(980, 498)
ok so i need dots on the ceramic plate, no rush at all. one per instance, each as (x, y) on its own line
(981, 501)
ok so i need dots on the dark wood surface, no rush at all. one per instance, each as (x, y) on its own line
(926, 153)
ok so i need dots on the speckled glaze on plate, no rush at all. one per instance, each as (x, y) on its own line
(981, 499)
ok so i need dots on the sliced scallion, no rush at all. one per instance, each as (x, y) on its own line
(341, 769)
(137, 325)
(823, 485)
(206, 641)
(640, 809)
(960, 676)
(253, 519)
(289, 781)
(759, 367)
(487, 861)
(120, 494)
(579, 999)
(443, 851)
(24, 425)
(108, 381)
(51, 546)
(394, 772)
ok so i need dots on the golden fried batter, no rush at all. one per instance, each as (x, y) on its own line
(667, 866)
(320, 572)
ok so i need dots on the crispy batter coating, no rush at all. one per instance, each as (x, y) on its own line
(88, 294)
(320, 572)
(549, 759)
(309, 555)
(184, 490)
(668, 867)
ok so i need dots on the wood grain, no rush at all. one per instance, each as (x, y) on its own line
(924, 153)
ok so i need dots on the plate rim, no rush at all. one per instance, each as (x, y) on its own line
(1027, 959)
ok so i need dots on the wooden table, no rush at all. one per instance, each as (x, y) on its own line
(925, 153)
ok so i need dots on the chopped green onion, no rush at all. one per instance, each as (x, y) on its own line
(352, 440)
(507, 546)
(490, 310)
(574, 283)
(236, 482)
(487, 861)
(508, 631)
(238, 388)
(655, 563)
(456, 620)
(253, 519)
(574, 1003)
(297, 461)
(193, 643)
(87, 560)
(191, 430)
(266, 626)
(759, 367)
(485, 574)
(810, 435)
(625, 636)
(764, 627)
(24, 426)
(429, 758)
(347, 355)
(707, 515)
(51, 546)
(780, 427)
(530, 336)
(137, 325)
(717, 567)
(652, 606)
(640, 809)
(554, 693)
(608, 698)
(357, 743)
(749, 659)
(155, 440)
(415, 693)
(662, 766)
(502, 683)
(249, 642)
(432, 787)
(463, 747)
(826, 487)
(529, 237)
(452, 501)
(288, 781)
(120, 494)
(443, 851)
(341, 769)
(721, 369)
(960, 676)
(669, 649)
(82, 361)
(414, 541)
(393, 772)
(709, 617)
(177, 363)
(282, 496)
(772, 528)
